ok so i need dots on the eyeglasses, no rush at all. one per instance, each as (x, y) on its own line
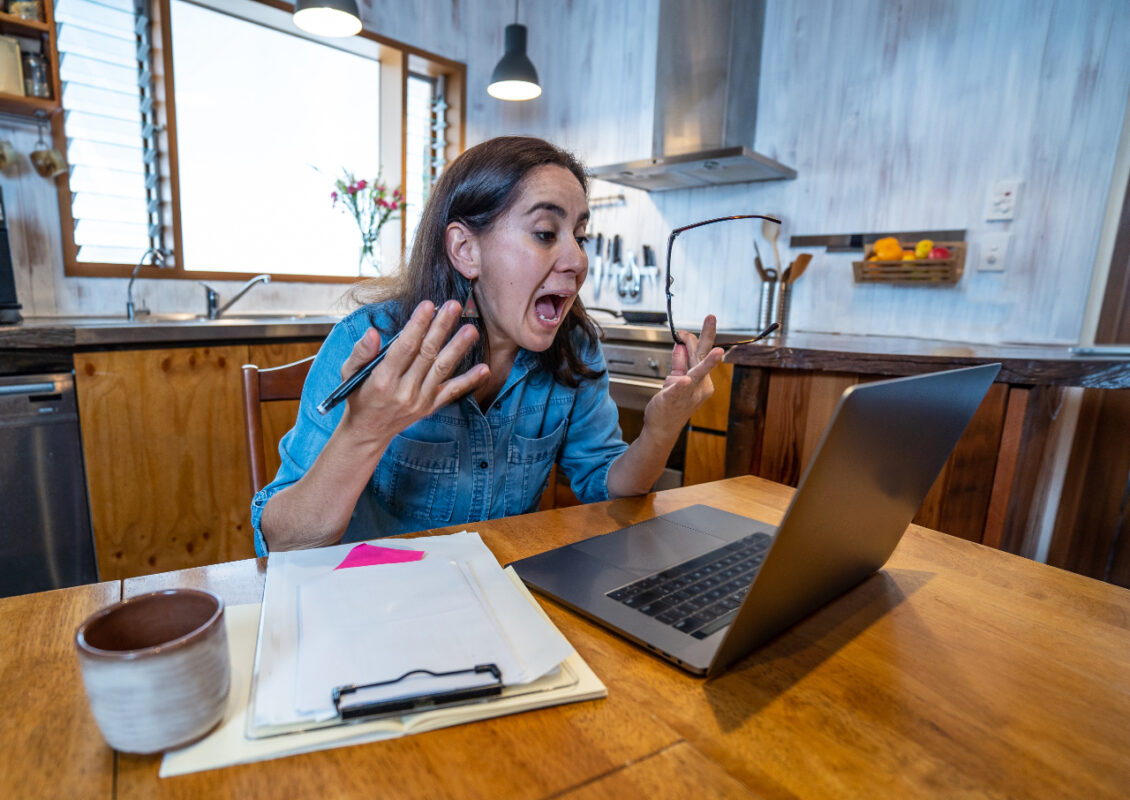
(671, 280)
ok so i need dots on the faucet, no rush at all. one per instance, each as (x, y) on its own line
(158, 261)
(212, 297)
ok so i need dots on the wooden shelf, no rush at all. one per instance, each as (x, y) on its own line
(20, 104)
(10, 22)
(44, 33)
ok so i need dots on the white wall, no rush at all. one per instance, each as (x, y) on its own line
(900, 117)
(895, 116)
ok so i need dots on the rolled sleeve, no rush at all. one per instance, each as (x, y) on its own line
(594, 439)
(300, 447)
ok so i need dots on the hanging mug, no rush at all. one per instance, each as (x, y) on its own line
(7, 154)
(48, 161)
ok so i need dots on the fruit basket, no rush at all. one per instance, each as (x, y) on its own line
(912, 272)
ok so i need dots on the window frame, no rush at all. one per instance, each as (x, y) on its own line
(397, 60)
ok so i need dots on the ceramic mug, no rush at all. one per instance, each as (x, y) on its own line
(7, 154)
(156, 669)
(48, 162)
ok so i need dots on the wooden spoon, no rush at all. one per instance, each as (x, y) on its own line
(771, 230)
(799, 266)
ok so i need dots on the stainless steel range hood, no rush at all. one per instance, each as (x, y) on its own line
(705, 110)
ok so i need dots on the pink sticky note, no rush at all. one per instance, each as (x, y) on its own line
(366, 555)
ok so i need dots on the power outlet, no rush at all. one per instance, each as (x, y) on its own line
(1000, 206)
(994, 251)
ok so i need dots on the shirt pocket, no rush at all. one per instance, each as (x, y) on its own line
(418, 480)
(528, 463)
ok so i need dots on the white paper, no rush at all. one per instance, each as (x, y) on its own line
(227, 744)
(422, 615)
(533, 646)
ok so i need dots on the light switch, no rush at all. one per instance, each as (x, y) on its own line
(994, 251)
(1000, 206)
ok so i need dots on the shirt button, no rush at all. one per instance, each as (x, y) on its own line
(498, 405)
(482, 465)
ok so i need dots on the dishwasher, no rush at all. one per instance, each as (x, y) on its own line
(46, 540)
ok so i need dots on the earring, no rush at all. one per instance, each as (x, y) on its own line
(470, 311)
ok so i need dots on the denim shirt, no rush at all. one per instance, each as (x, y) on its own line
(460, 464)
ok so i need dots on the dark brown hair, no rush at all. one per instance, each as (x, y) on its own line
(476, 189)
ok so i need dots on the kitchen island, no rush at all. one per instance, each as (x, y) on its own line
(784, 391)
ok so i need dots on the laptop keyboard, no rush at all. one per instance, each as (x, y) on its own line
(700, 596)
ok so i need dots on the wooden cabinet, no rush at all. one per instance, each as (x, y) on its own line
(706, 439)
(985, 490)
(166, 462)
(32, 34)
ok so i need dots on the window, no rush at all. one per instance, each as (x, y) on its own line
(214, 131)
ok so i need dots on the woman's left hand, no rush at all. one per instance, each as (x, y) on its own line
(689, 385)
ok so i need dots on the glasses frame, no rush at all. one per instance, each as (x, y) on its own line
(670, 279)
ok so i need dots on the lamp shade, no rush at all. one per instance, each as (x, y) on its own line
(331, 18)
(515, 77)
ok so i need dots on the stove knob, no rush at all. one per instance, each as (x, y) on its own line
(653, 364)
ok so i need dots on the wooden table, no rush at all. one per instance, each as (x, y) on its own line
(958, 670)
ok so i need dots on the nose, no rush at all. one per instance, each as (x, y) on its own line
(574, 258)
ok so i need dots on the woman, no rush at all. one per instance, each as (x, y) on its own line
(452, 428)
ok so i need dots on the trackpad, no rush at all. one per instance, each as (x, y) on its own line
(649, 546)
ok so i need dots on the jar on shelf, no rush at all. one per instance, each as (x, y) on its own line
(25, 9)
(36, 82)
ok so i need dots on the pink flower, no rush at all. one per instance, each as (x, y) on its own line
(361, 185)
(333, 197)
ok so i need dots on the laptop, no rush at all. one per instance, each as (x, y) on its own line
(702, 587)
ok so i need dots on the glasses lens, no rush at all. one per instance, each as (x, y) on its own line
(713, 272)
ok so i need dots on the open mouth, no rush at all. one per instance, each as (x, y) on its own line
(548, 307)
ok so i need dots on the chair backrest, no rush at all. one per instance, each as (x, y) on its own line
(264, 386)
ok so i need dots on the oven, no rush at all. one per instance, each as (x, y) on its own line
(636, 370)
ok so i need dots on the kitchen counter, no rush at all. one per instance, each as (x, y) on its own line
(98, 332)
(1044, 365)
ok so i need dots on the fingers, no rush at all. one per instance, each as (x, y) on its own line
(433, 343)
(403, 352)
(364, 351)
(679, 361)
(712, 359)
(452, 390)
(445, 363)
(706, 338)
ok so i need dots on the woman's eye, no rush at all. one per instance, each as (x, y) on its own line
(582, 240)
(546, 236)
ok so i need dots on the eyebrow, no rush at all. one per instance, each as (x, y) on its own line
(557, 210)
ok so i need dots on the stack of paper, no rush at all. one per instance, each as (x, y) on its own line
(321, 627)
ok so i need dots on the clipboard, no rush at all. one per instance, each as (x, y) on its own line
(407, 699)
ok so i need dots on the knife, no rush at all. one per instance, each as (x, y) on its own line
(598, 266)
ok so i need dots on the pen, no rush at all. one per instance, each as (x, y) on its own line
(346, 387)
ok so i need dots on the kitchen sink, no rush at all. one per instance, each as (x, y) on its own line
(185, 327)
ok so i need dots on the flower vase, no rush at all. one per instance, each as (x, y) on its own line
(369, 263)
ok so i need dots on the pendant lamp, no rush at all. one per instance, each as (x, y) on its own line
(515, 77)
(330, 18)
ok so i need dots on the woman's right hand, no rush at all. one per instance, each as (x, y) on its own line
(414, 379)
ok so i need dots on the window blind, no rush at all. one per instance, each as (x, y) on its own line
(113, 173)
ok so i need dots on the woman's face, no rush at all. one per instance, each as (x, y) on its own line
(533, 262)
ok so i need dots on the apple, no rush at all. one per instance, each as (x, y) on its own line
(941, 252)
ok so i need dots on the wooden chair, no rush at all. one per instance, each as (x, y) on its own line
(265, 386)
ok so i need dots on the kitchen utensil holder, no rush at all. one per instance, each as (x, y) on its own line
(916, 272)
(767, 305)
(784, 297)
